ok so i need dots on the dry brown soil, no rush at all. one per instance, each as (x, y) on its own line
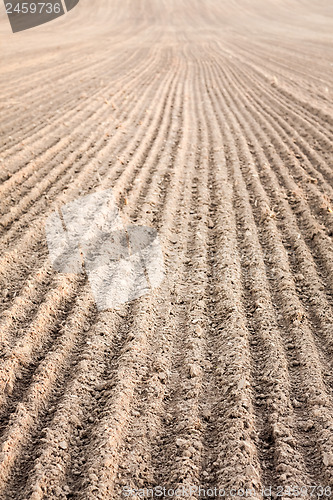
(212, 121)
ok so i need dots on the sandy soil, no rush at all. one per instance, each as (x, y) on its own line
(212, 121)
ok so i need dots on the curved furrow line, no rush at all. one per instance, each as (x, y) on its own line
(303, 251)
(315, 95)
(40, 333)
(39, 67)
(303, 212)
(65, 414)
(316, 164)
(16, 131)
(69, 71)
(287, 105)
(292, 97)
(34, 234)
(70, 106)
(270, 382)
(33, 130)
(150, 392)
(45, 386)
(31, 294)
(40, 403)
(10, 369)
(254, 466)
(176, 362)
(86, 114)
(305, 364)
(275, 89)
(29, 303)
(108, 435)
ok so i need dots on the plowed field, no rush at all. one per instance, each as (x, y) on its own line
(212, 121)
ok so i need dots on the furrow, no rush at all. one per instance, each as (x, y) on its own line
(109, 435)
(32, 135)
(319, 302)
(50, 431)
(34, 234)
(305, 365)
(61, 147)
(25, 344)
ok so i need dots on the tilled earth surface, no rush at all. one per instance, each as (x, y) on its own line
(212, 121)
